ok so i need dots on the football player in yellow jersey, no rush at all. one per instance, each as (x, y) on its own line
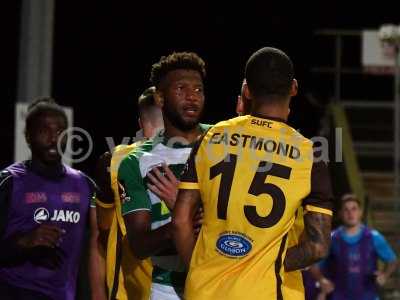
(125, 276)
(251, 174)
(294, 279)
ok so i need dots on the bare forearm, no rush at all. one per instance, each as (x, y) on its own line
(316, 273)
(314, 244)
(103, 239)
(299, 257)
(151, 242)
(104, 217)
(184, 239)
(97, 264)
(390, 268)
(182, 221)
(97, 271)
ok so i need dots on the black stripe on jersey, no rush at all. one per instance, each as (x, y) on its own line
(278, 266)
(118, 257)
(189, 173)
(4, 177)
(6, 187)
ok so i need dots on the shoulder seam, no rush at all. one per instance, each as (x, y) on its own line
(5, 179)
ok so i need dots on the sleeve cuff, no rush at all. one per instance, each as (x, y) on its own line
(104, 205)
(189, 186)
(124, 213)
(317, 209)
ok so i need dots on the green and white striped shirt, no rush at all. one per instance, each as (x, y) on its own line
(132, 175)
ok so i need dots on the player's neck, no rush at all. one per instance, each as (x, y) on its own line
(188, 135)
(271, 111)
(352, 230)
(50, 171)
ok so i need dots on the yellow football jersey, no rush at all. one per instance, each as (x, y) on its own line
(253, 174)
(127, 277)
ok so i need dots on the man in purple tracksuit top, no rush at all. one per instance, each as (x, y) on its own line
(350, 270)
(44, 207)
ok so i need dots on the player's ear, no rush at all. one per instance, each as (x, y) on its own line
(246, 91)
(27, 137)
(294, 88)
(159, 98)
(239, 106)
(140, 123)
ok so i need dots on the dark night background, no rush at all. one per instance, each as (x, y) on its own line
(103, 55)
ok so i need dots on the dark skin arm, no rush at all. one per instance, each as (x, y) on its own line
(143, 241)
(326, 285)
(97, 265)
(100, 222)
(105, 195)
(40, 246)
(44, 235)
(314, 244)
(383, 276)
(186, 207)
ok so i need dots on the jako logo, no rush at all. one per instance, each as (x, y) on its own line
(233, 245)
(41, 214)
(68, 216)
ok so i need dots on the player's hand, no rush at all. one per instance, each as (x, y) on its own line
(45, 235)
(164, 184)
(198, 220)
(381, 278)
(321, 296)
(102, 178)
(326, 285)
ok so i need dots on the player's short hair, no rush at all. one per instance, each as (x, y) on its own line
(349, 198)
(175, 61)
(38, 108)
(146, 99)
(269, 73)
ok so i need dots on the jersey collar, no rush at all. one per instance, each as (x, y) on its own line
(178, 143)
(268, 117)
(52, 173)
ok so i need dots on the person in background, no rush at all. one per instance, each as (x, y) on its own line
(350, 271)
(125, 277)
(44, 213)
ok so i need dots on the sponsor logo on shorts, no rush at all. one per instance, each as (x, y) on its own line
(235, 245)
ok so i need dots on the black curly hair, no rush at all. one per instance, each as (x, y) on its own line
(38, 108)
(269, 72)
(175, 61)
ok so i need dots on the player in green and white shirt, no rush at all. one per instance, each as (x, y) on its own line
(179, 82)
